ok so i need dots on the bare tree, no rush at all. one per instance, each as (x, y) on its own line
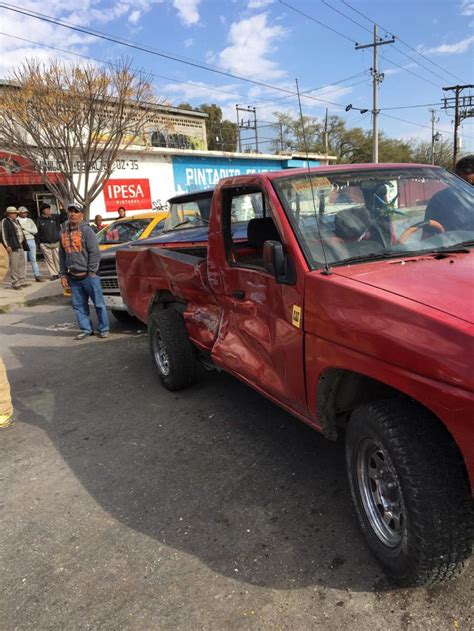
(72, 120)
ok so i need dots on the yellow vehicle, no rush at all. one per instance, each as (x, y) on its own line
(131, 229)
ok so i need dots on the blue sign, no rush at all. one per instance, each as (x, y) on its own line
(194, 173)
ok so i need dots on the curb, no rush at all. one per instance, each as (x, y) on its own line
(32, 302)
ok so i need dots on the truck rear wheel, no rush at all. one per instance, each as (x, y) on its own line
(411, 492)
(171, 350)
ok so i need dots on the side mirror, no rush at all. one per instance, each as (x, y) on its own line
(277, 263)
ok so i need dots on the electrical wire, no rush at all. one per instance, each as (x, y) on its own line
(313, 19)
(153, 51)
(402, 41)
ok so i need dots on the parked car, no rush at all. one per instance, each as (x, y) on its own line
(132, 228)
(348, 303)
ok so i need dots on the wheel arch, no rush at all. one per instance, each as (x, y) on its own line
(164, 299)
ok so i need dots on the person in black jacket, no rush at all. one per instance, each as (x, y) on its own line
(15, 243)
(49, 228)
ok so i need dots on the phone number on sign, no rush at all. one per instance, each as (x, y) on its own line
(99, 165)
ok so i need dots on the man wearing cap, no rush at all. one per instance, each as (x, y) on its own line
(79, 259)
(29, 230)
(49, 228)
(15, 243)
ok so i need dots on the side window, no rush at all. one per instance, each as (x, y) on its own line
(247, 224)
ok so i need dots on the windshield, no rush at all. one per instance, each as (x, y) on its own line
(188, 214)
(122, 231)
(363, 214)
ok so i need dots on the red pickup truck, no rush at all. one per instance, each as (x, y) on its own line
(345, 295)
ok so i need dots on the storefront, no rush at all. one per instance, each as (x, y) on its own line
(21, 185)
(143, 179)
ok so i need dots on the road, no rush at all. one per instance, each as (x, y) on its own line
(125, 506)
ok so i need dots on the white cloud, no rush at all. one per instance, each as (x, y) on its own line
(259, 4)
(392, 71)
(198, 92)
(467, 7)
(91, 12)
(252, 39)
(187, 11)
(134, 16)
(449, 49)
(188, 42)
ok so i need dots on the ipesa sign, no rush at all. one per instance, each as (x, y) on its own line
(132, 194)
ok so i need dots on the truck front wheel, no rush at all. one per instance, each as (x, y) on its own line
(171, 350)
(410, 491)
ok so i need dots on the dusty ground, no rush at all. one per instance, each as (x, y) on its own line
(125, 506)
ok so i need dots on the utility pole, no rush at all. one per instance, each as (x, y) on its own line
(434, 135)
(248, 124)
(377, 78)
(463, 108)
(326, 135)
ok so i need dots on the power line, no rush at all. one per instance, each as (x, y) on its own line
(313, 19)
(152, 74)
(400, 40)
(153, 51)
(436, 85)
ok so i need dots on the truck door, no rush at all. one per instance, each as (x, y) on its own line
(260, 338)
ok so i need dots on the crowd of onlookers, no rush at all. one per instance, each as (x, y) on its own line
(21, 235)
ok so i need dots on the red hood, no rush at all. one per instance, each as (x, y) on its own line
(445, 284)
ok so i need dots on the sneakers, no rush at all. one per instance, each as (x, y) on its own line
(38, 279)
(54, 278)
(103, 334)
(82, 335)
(5, 421)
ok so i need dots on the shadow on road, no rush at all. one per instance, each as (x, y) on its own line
(215, 471)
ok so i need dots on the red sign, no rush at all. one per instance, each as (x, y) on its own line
(17, 171)
(132, 194)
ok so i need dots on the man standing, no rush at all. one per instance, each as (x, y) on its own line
(29, 230)
(49, 228)
(122, 213)
(15, 244)
(79, 259)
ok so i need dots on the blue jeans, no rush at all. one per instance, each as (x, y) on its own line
(31, 257)
(81, 291)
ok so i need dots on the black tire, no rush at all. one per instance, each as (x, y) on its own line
(171, 350)
(123, 317)
(423, 534)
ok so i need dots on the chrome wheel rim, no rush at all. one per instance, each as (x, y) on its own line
(380, 492)
(160, 354)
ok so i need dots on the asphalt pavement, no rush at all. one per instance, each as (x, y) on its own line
(125, 506)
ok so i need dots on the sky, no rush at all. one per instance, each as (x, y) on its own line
(270, 42)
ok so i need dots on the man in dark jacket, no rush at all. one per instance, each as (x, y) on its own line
(49, 228)
(15, 243)
(79, 259)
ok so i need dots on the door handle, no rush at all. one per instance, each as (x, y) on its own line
(237, 293)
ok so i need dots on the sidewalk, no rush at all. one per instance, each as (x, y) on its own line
(34, 294)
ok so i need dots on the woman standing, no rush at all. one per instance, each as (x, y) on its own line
(29, 230)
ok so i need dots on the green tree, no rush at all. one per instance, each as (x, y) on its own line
(221, 133)
(443, 152)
